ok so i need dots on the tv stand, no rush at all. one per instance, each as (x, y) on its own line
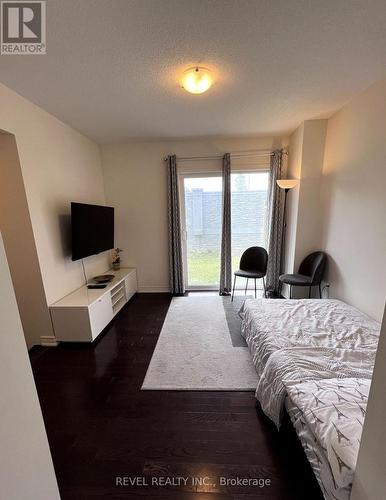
(83, 314)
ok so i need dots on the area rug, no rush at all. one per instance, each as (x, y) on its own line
(200, 348)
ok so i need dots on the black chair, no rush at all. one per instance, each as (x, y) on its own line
(253, 265)
(310, 273)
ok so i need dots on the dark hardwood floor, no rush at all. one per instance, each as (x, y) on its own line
(100, 425)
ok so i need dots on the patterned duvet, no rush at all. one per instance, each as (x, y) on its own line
(316, 357)
(328, 416)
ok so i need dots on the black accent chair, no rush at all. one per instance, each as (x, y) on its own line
(310, 273)
(253, 265)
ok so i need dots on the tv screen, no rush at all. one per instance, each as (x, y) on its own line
(92, 228)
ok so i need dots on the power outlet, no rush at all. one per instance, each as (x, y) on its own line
(326, 286)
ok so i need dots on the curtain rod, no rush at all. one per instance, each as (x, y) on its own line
(238, 154)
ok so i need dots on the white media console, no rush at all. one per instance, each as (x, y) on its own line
(82, 315)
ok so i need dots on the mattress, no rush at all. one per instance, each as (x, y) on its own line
(315, 455)
(297, 340)
(271, 324)
(328, 417)
(315, 357)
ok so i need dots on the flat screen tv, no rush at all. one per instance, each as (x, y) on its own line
(92, 228)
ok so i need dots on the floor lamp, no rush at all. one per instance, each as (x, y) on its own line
(285, 184)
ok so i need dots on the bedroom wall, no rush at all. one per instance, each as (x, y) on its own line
(306, 152)
(15, 223)
(295, 152)
(26, 469)
(58, 165)
(135, 183)
(354, 201)
(370, 479)
(308, 234)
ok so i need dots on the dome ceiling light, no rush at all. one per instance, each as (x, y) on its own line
(197, 80)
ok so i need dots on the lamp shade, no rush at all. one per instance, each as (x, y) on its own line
(287, 183)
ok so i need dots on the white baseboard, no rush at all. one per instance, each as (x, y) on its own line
(153, 289)
(48, 341)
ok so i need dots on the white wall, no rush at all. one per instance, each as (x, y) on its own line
(15, 225)
(135, 183)
(370, 473)
(354, 201)
(295, 154)
(309, 220)
(340, 205)
(304, 235)
(26, 469)
(58, 165)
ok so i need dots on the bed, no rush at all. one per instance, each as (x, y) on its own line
(314, 359)
(328, 417)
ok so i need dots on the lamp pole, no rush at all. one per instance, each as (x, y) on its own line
(285, 184)
(283, 231)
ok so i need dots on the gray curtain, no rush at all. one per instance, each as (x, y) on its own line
(176, 275)
(275, 221)
(226, 248)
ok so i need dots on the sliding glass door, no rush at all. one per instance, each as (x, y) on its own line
(202, 230)
(249, 212)
(201, 205)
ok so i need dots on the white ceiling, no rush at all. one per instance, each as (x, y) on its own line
(112, 66)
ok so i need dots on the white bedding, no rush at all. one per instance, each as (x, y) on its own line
(318, 355)
(273, 324)
(315, 455)
(305, 339)
(328, 416)
(294, 365)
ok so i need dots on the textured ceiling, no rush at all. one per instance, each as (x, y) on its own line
(112, 66)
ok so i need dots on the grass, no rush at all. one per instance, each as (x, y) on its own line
(204, 268)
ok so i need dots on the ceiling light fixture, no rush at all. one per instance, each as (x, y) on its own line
(196, 80)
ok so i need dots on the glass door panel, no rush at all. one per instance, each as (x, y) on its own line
(202, 224)
(249, 212)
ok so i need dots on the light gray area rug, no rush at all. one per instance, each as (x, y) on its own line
(196, 350)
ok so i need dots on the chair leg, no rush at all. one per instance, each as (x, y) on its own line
(265, 291)
(255, 287)
(290, 291)
(309, 292)
(320, 292)
(246, 287)
(233, 291)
